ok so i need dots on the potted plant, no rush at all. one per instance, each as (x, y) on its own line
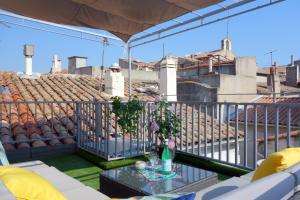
(128, 114)
(165, 123)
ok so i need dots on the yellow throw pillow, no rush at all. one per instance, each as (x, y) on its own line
(277, 162)
(26, 185)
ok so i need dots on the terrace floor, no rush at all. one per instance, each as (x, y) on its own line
(78, 168)
(86, 168)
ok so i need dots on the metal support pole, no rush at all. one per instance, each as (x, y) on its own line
(129, 69)
(78, 117)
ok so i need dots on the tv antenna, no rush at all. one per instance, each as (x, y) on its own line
(105, 43)
(271, 55)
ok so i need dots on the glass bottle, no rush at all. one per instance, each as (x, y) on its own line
(166, 159)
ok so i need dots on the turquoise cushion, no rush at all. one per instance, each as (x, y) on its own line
(3, 158)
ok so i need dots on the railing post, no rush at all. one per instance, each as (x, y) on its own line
(266, 132)
(236, 131)
(219, 107)
(193, 107)
(276, 127)
(288, 136)
(227, 132)
(97, 117)
(245, 135)
(255, 138)
(107, 122)
(212, 137)
(78, 119)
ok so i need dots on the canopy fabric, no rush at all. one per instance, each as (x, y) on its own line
(122, 18)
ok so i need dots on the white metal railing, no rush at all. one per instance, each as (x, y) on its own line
(237, 134)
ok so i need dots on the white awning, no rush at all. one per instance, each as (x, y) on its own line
(122, 18)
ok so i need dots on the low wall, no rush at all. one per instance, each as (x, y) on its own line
(141, 75)
(37, 153)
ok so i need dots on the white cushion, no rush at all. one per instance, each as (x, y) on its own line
(275, 186)
(61, 181)
(295, 170)
(31, 165)
(5, 194)
(248, 177)
(84, 193)
(221, 188)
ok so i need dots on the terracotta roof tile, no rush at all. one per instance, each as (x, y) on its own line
(271, 117)
(49, 120)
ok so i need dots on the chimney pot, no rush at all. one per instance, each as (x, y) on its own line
(76, 62)
(168, 78)
(292, 61)
(28, 52)
(114, 81)
(210, 65)
(56, 64)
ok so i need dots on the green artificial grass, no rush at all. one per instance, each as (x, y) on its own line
(225, 171)
(78, 168)
(106, 165)
(85, 167)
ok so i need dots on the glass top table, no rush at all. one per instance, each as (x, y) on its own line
(127, 181)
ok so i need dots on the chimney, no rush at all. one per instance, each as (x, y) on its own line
(114, 81)
(273, 81)
(210, 65)
(56, 65)
(168, 79)
(28, 53)
(292, 61)
(226, 44)
(76, 62)
(292, 73)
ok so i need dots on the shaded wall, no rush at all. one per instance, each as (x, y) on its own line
(141, 75)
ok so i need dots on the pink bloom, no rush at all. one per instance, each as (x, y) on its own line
(154, 126)
(157, 98)
(171, 144)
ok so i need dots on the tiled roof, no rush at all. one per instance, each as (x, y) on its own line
(262, 88)
(266, 70)
(44, 120)
(295, 133)
(271, 117)
(39, 121)
(231, 131)
(204, 64)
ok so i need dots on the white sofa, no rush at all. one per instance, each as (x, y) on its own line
(68, 186)
(282, 185)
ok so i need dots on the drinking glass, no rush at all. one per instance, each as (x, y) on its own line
(153, 158)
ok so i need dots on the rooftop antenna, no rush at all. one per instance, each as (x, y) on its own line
(271, 54)
(105, 43)
(227, 28)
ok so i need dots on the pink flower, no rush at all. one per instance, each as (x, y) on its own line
(154, 126)
(157, 98)
(171, 144)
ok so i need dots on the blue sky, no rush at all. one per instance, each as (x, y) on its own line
(252, 34)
